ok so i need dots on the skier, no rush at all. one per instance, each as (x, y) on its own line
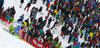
(21, 2)
(28, 5)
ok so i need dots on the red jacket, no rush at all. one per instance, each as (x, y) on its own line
(88, 2)
(98, 23)
(59, 6)
(55, 1)
(89, 17)
(34, 25)
(99, 15)
(94, 41)
(85, 10)
(48, 5)
(77, 9)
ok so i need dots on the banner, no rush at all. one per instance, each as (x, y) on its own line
(36, 43)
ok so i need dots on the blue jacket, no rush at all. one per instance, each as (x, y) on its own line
(48, 0)
(41, 31)
(7, 17)
(3, 2)
(83, 31)
(87, 25)
(6, 11)
(68, 0)
(73, 18)
(94, 5)
(76, 38)
(66, 20)
(77, 45)
(90, 22)
(22, 17)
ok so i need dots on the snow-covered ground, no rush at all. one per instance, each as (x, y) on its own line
(9, 41)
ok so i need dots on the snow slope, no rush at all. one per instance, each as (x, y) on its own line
(9, 41)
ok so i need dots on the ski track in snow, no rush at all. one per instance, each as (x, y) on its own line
(9, 41)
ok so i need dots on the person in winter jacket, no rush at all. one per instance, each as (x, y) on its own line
(31, 1)
(40, 19)
(50, 45)
(59, 45)
(70, 38)
(86, 35)
(35, 1)
(66, 21)
(48, 33)
(33, 10)
(62, 30)
(40, 9)
(1, 12)
(27, 23)
(90, 35)
(43, 1)
(55, 42)
(3, 16)
(28, 5)
(77, 45)
(7, 17)
(83, 44)
(13, 11)
(21, 2)
(48, 5)
(69, 46)
(82, 32)
(65, 32)
(21, 18)
(49, 11)
(11, 29)
(11, 19)
(49, 21)
(55, 12)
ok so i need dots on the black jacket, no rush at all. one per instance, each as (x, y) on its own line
(29, 4)
(54, 7)
(48, 33)
(63, 28)
(49, 21)
(66, 31)
(40, 9)
(22, 1)
(40, 19)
